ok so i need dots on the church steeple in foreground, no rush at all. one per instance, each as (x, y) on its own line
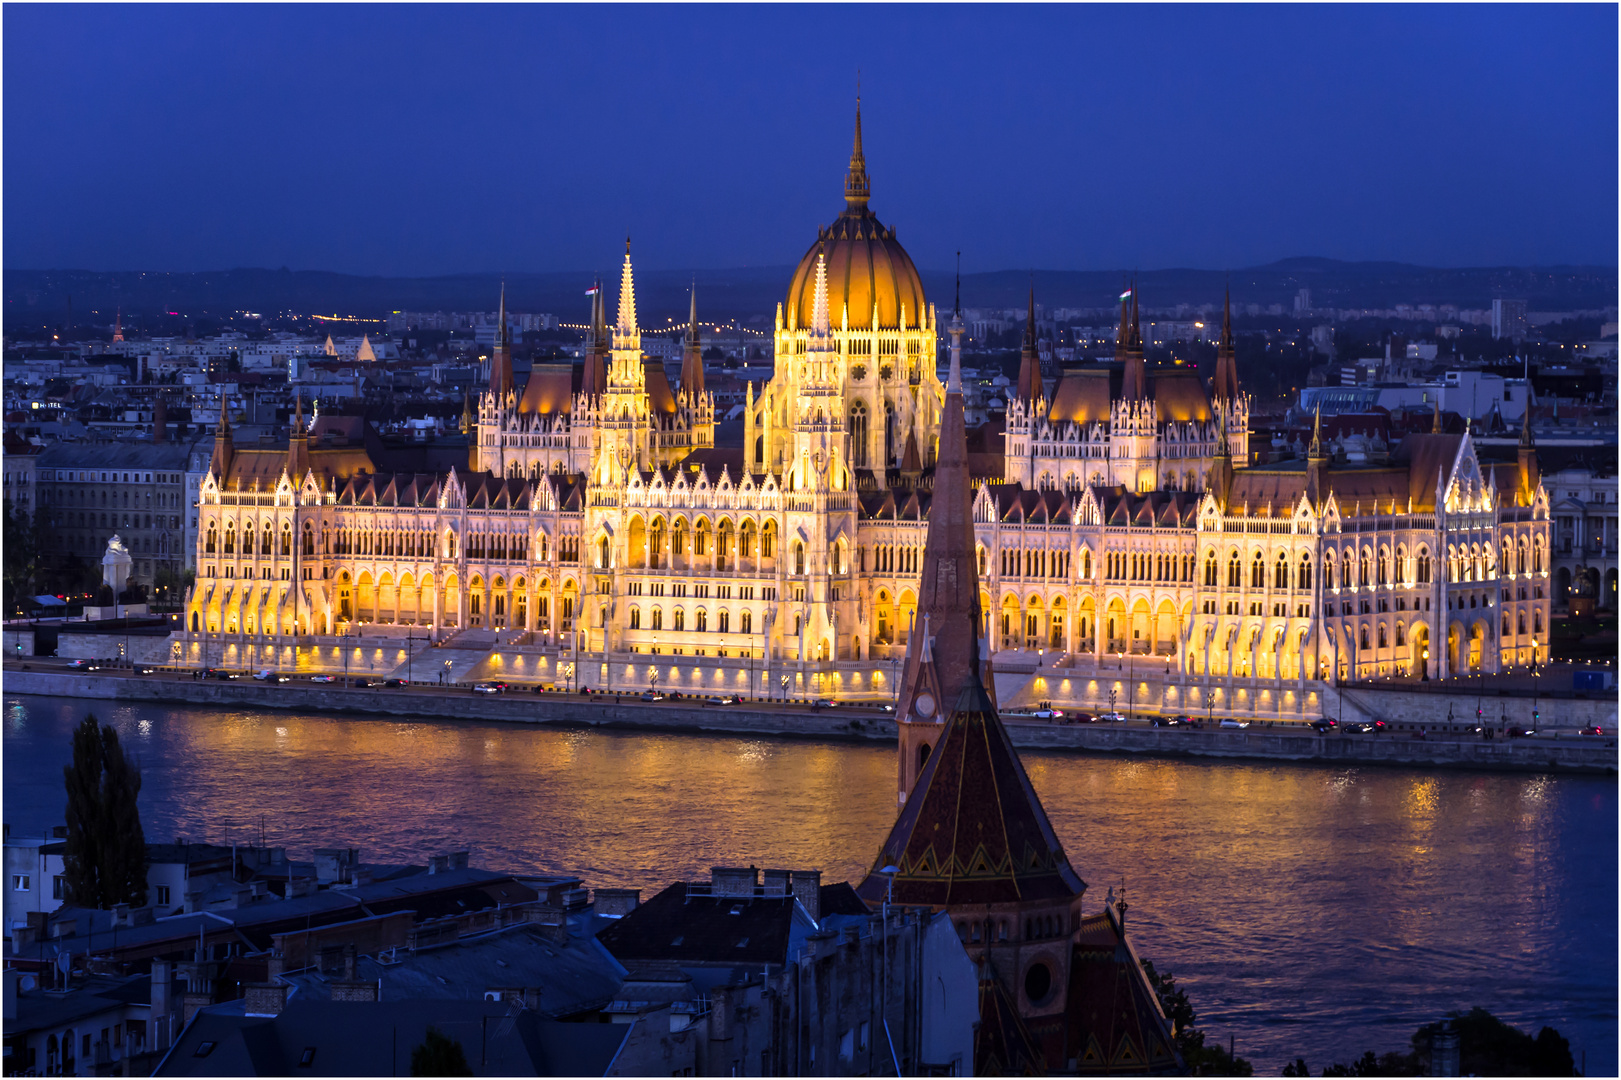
(971, 829)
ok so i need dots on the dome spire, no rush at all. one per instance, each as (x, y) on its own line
(856, 186)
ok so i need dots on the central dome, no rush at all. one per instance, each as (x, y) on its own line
(866, 265)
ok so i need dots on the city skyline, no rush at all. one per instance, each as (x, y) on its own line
(481, 140)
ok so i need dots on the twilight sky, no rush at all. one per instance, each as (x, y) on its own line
(423, 140)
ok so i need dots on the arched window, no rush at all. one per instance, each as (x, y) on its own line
(1234, 571)
(1519, 557)
(1520, 622)
(1421, 569)
(635, 618)
(702, 620)
(212, 540)
(1304, 580)
(1364, 637)
(1381, 635)
(724, 623)
(1362, 578)
(658, 618)
(1401, 635)
(230, 538)
(1281, 580)
(1257, 573)
(680, 619)
(799, 558)
(1536, 558)
(1536, 621)
(678, 537)
(1400, 566)
(1210, 569)
(1384, 566)
(746, 622)
(858, 434)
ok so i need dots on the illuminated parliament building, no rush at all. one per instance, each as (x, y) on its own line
(1120, 527)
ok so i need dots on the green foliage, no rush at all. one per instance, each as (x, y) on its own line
(1202, 1059)
(104, 855)
(439, 1055)
(1486, 1047)
(21, 548)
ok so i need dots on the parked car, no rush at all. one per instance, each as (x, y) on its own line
(1170, 721)
(652, 695)
(270, 676)
(1357, 727)
(1048, 714)
(484, 688)
(1592, 729)
(822, 703)
(395, 684)
(1516, 732)
(363, 684)
(1229, 722)
(323, 678)
(82, 665)
(222, 676)
(1323, 727)
(720, 701)
(146, 671)
(1112, 717)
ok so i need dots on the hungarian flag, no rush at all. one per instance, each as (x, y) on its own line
(593, 290)
(1125, 296)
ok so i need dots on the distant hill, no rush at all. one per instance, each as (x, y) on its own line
(754, 291)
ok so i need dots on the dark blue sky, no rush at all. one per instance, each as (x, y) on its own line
(426, 140)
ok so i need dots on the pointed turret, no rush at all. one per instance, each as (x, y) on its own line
(1435, 420)
(692, 355)
(625, 327)
(501, 359)
(1134, 386)
(298, 441)
(1122, 335)
(594, 380)
(1530, 467)
(1028, 386)
(220, 464)
(820, 338)
(1316, 460)
(118, 326)
(857, 188)
(1224, 386)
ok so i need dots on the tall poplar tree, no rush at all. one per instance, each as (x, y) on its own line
(104, 856)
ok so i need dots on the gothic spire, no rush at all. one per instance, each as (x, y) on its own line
(1225, 383)
(857, 188)
(1028, 387)
(692, 355)
(1134, 385)
(501, 359)
(626, 325)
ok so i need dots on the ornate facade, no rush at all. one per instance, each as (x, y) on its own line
(597, 514)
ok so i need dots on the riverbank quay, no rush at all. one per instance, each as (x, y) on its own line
(1568, 753)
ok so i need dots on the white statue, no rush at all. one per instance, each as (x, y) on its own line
(115, 566)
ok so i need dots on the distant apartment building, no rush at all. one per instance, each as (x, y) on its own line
(1303, 302)
(1508, 319)
(89, 492)
(21, 458)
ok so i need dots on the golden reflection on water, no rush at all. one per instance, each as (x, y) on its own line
(1269, 890)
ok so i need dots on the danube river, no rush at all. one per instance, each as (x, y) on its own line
(1309, 911)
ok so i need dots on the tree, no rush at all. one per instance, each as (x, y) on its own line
(1213, 1060)
(439, 1055)
(21, 545)
(1486, 1047)
(104, 856)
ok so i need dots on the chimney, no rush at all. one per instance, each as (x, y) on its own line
(615, 903)
(351, 953)
(458, 860)
(733, 880)
(264, 999)
(121, 915)
(353, 990)
(776, 883)
(438, 864)
(162, 984)
(258, 886)
(807, 886)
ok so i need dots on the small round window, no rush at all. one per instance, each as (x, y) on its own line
(1038, 983)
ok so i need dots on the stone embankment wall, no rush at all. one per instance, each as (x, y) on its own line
(1287, 743)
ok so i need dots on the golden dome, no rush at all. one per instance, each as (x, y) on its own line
(865, 264)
